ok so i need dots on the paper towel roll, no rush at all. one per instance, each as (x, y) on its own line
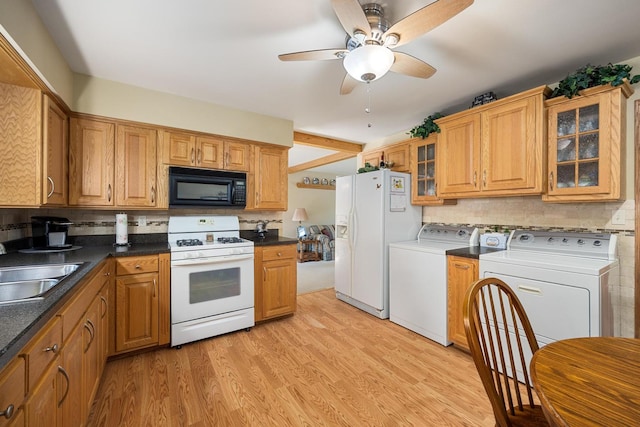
(122, 234)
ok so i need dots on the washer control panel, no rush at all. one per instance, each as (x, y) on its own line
(594, 245)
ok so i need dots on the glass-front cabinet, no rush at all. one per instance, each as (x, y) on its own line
(585, 143)
(423, 172)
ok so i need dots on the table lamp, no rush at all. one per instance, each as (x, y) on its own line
(300, 214)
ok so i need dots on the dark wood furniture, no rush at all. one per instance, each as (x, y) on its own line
(495, 321)
(589, 381)
(308, 250)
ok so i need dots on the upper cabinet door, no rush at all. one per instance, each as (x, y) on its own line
(55, 148)
(586, 136)
(459, 155)
(270, 178)
(236, 156)
(209, 152)
(181, 149)
(512, 146)
(136, 166)
(91, 163)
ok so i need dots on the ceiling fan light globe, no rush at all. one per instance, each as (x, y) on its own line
(368, 63)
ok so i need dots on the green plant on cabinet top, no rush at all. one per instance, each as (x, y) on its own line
(594, 75)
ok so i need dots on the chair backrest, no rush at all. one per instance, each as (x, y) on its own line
(498, 333)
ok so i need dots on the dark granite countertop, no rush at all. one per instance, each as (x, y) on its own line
(472, 251)
(270, 238)
(21, 321)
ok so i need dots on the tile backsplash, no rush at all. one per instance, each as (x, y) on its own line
(487, 214)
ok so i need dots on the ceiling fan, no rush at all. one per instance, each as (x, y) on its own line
(367, 55)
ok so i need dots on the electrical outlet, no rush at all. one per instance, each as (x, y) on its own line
(618, 217)
(142, 221)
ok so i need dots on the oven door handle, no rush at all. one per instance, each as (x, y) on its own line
(216, 260)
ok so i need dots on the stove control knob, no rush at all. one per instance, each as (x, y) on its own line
(551, 240)
(580, 242)
(597, 243)
(565, 240)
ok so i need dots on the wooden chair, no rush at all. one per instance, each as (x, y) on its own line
(491, 302)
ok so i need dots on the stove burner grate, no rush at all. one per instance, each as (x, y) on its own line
(189, 242)
(230, 240)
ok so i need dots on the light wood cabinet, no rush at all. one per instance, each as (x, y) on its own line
(424, 184)
(585, 141)
(184, 149)
(275, 275)
(268, 179)
(396, 154)
(141, 299)
(494, 150)
(55, 149)
(461, 274)
(136, 166)
(91, 163)
(12, 392)
(44, 406)
(21, 146)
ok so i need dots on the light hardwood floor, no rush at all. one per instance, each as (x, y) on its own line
(329, 364)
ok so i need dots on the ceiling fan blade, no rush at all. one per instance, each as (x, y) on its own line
(411, 66)
(312, 55)
(348, 84)
(426, 19)
(351, 16)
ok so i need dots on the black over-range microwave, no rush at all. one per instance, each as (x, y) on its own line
(206, 188)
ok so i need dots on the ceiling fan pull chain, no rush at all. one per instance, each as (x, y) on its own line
(368, 108)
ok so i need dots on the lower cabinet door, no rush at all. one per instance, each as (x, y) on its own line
(136, 311)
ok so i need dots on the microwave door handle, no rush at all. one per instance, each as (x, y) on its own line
(61, 223)
(216, 260)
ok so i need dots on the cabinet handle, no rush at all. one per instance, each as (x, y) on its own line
(279, 253)
(105, 305)
(484, 178)
(66, 377)
(199, 155)
(109, 192)
(53, 187)
(53, 349)
(551, 181)
(154, 287)
(193, 155)
(8, 413)
(264, 274)
(475, 178)
(138, 267)
(462, 266)
(91, 333)
(153, 194)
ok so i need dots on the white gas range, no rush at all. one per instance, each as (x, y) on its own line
(211, 277)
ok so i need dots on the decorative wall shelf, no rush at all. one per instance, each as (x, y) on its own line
(316, 186)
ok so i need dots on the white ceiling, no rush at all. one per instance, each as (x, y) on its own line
(226, 52)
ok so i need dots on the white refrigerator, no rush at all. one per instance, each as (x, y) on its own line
(373, 209)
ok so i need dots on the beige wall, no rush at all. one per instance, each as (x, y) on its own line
(320, 204)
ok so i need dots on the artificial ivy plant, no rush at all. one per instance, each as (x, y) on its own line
(594, 75)
(427, 127)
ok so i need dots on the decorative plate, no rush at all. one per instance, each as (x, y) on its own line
(316, 181)
(306, 180)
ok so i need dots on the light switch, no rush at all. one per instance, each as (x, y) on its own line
(142, 221)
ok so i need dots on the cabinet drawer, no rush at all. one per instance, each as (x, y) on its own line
(135, 265)
(43, 349)
(74, 309)
(12, 389)
(271, 253)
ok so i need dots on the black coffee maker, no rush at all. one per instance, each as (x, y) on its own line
(50, 232)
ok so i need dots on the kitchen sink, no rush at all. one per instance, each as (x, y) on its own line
(31, 282)
(36, 272)
(25, 290)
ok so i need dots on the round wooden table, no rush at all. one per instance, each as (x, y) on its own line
(589, 381)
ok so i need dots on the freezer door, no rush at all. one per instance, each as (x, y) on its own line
(342, 271)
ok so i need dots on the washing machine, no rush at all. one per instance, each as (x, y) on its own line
(563, 279)
(418, 278)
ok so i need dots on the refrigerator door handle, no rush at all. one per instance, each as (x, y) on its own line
(353, 233)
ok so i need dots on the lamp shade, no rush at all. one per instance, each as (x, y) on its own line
(369, 62)
(300, 214)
